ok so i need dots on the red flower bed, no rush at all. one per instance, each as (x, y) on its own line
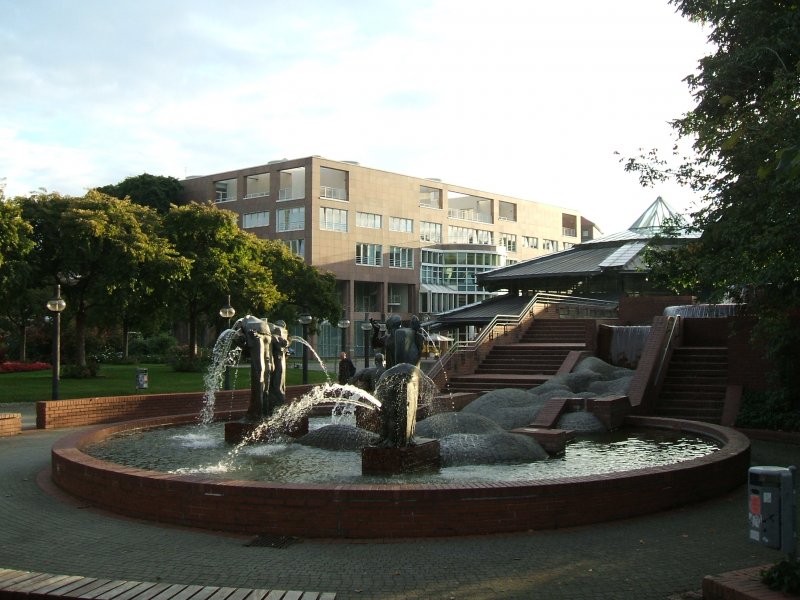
(18, 367)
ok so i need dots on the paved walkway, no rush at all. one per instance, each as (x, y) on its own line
(664, 556)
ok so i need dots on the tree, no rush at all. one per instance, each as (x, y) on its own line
(98, 248)
(222, 260)
(17, 291)
(744, 127)
(303, 286)
(155, 191)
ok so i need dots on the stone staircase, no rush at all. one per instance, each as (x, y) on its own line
(695, 384)
(533, 360)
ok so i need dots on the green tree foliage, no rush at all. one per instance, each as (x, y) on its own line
(98, 248)
(155, 191)
(223, 260)
(745, 128)
(17, 290)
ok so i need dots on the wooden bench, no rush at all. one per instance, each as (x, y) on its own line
(30, 585)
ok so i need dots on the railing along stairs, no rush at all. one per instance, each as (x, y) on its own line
(500, 324)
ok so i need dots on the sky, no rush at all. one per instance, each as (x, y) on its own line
(525, 98)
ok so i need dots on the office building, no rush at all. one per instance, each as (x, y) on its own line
(396, 243)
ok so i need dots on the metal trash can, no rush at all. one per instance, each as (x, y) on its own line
(141, 379)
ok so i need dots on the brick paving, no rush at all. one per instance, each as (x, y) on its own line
(663, 556)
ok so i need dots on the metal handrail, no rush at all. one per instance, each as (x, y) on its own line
(514, 320)
(668, 339)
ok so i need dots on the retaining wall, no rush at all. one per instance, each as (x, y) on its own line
(54, 414)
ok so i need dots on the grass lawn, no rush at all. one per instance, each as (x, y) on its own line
(120, 380)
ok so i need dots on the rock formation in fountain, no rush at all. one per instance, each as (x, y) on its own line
(592, 378)
(480, 433)
(338, 437)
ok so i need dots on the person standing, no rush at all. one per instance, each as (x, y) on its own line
(346, 368)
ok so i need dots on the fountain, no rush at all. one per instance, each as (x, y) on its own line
(481, 478)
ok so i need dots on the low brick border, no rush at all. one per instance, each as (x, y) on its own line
(744, 584)
(10, 423)
(395, 511)
(78, 412)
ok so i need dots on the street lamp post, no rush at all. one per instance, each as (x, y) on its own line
(366, 327)
(56, 305)
(226, 312)
(343, 324)
(305, 319)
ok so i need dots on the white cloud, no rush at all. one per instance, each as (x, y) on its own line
(526, 99)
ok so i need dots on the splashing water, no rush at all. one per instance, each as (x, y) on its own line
(222, 357)
(297, 338)
(272, 430)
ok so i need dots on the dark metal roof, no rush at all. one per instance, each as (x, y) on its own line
(575, 261)
(618, 252)
(483, 312)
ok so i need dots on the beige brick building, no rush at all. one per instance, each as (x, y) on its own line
(396, 243)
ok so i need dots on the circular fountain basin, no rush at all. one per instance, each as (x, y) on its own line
(396, 510)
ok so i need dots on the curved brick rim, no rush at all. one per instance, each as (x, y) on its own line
(396, 511)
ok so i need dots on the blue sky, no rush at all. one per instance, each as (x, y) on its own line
(528, 99)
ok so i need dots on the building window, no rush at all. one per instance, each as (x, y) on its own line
(430, 197)
(225, 190)
(430, 232)
(369, 220)
(332, 219)
(568, 245)
(292, 184)
(298, 247)
(530, 242)
(550, 245)
(508, 211)
(467, 235)
(569, 225)
(291, 219)
(256, 186)
(256, 219)
(332, 184)
(401, 258)
(400, 224)
(508, 241)
(369, 254)
(469, 208)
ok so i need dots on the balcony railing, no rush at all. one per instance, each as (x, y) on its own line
(468, 215)
(256, 195)
(569, 232)
(332, 193)
(286, 194)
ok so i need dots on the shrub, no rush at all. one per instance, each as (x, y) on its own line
(91, 369)
(768, 409)
(784, 576)
(179, 360)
